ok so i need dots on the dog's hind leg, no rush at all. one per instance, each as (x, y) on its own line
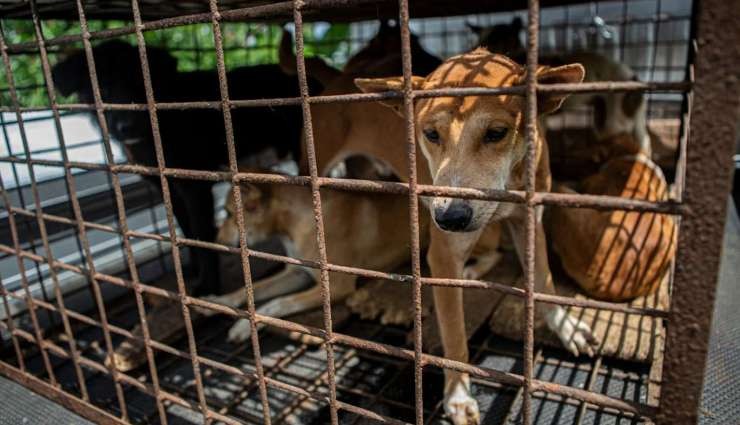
(342, 286)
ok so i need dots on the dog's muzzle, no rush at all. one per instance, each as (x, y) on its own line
(453, 215)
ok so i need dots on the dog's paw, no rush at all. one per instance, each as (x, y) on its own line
(460, 406)
(575, 335)
(127, 356)
(239, 331)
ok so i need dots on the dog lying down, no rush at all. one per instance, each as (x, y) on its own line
(616, 255)
(365, 230)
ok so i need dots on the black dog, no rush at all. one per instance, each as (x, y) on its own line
(191, 138)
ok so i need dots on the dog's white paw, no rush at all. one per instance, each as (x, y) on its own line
(239, 331)
(575, 335)
(460, 406)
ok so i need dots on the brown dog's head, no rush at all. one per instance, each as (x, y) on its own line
(258, 218)
(475, 141)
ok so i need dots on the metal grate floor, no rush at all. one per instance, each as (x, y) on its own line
(382, 384)
(365, 379)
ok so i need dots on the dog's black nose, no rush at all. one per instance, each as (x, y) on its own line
(453, 217)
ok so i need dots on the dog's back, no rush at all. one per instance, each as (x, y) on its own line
(617, 255)
(192, 138)
(367, 129)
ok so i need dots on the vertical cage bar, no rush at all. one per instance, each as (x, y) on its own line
(408, 113)
(714, 118)
(233, 167)
(11, 327)
(121, 211)
(30, 304)
(22, 201)
(16, 242)
(530, 117)
(318, 215)
(72, 192)
(175, 249)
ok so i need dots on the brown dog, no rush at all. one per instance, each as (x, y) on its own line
(477, 142)
(616, 255)
(363, 230)
(614, 113)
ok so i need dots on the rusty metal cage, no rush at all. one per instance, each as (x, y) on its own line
(710, 104)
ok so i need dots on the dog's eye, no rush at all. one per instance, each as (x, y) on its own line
(432, 135)
(495, 134)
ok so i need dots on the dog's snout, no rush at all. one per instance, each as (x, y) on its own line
(454, 216)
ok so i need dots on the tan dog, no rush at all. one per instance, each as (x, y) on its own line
(476, 142)
(362, 230)
(346, 130)
(616, 255)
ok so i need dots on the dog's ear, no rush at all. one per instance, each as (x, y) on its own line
(379, 85)
(566, 74)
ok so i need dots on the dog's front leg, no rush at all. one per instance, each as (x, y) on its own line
(575, 334)
(342, 285)
(290, 279)
(446, 257)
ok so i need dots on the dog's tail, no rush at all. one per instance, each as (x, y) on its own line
(316, 68)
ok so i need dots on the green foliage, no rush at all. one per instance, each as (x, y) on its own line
(192, 45)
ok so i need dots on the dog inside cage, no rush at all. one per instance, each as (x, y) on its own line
(344, 212)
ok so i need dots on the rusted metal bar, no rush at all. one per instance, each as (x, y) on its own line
(129, 380)
(530, 117)
(79, 406)
(42, 229)
(29, 300)
(216, 16)
(273, 10)
(595, 367)
(11, 327)
(121, 210)
(601, 202)
(594, 87)
(175, 250)
(371, 274)
(410, 131)
(389, 350)
(310, 152)
(510, 415)
(81, 231)
(714, 119)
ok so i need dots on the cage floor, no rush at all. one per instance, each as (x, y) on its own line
(369, 380)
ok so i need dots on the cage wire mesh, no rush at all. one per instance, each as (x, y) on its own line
(65, 340)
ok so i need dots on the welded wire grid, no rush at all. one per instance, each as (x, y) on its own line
(268, 375)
